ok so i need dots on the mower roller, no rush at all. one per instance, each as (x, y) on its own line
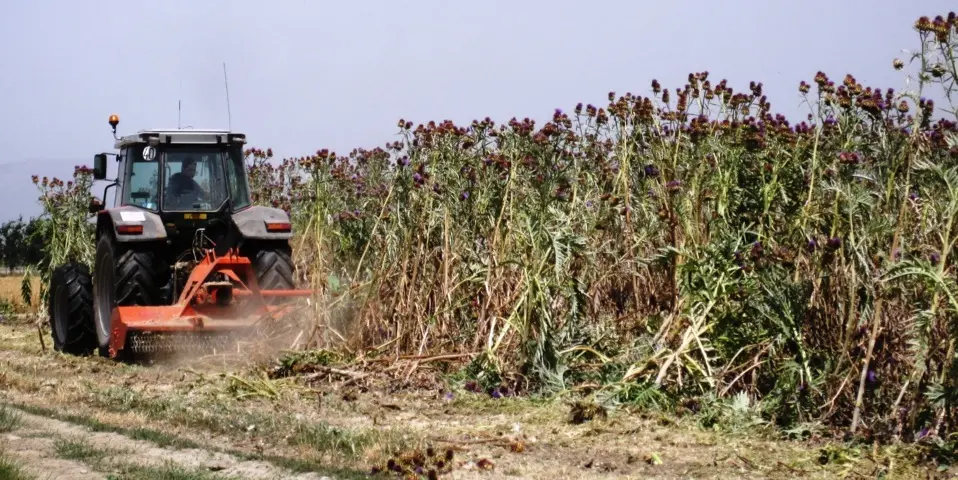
(184, 260)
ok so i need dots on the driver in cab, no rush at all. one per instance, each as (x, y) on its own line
(182, 185)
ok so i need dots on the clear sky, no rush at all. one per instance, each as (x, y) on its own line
(310, 74)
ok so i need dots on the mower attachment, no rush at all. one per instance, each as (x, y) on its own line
(220, 297)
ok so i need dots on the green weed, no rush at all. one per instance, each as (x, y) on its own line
(11, 469)
(10, 419)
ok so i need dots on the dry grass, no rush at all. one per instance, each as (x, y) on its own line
(10, 291)
(341, 422)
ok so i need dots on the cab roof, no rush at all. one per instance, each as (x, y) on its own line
(180, 136)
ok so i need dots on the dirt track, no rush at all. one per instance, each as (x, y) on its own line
(88, 454)
(94, 418)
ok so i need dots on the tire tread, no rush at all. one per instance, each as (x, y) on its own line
(274, 268)
(136, 281)
(80, 330)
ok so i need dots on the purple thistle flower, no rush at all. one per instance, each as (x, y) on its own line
(464, 196)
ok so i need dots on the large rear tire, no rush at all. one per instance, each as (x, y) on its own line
(126, 275)
(71, 309)
(273, 265)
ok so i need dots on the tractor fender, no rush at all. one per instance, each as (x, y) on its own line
(109, 220)
(251, 223)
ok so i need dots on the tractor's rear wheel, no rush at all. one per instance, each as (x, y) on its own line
(126, 275)
(71, 309)
(273, 265)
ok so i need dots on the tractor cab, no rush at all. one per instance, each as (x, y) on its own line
(181, 183)
(179, 171)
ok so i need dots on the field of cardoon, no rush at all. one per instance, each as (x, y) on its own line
(670, 249)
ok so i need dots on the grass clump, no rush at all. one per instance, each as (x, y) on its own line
(327, 438)
(80, 449)
(11, 470)
(77, 449)
(10, 419)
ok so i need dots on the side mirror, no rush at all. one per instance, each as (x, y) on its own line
(95, 206)
(99, 166)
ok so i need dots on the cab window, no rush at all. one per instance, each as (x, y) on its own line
(236, 175)
(141, 190)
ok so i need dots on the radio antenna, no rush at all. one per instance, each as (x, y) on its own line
(179, 108)
(229, 115)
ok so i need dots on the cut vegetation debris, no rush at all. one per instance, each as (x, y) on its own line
(104, 419)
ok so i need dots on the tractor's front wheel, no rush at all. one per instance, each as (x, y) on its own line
(125, 275)
(71, 309)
